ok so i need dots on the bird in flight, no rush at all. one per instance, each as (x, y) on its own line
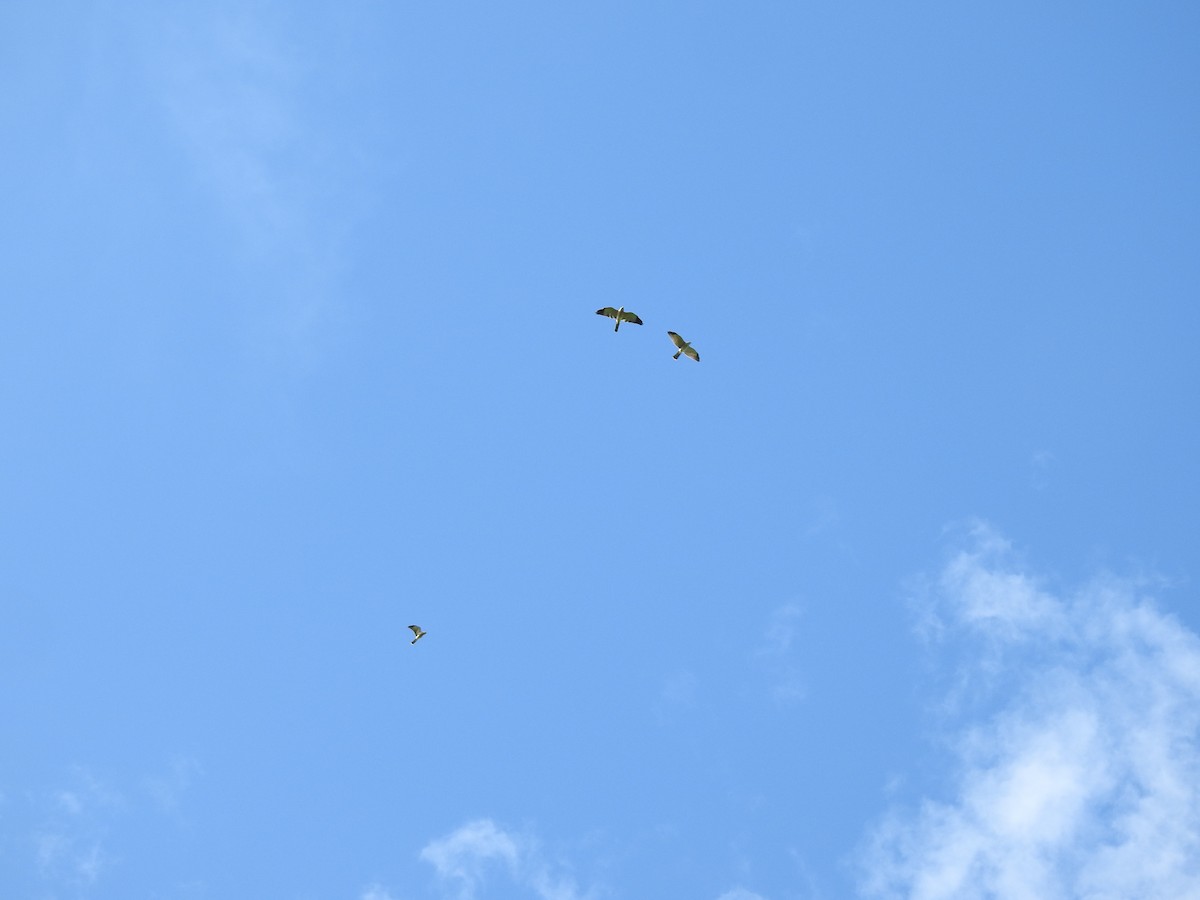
(418, 631)
(620, 315)
(685, 347)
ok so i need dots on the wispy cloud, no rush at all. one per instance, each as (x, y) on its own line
(68, 831)
(822, 516)
(474, 853)
(465, 855)
(228, 83)
(1040, 464)
(740, 893)
(166, 789)
(68, 837)
(237, 99)
(1076, 751)
(776, 654)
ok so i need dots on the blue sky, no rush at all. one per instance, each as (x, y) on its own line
(892, 595)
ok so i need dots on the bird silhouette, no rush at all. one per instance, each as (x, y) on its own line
(418, 631)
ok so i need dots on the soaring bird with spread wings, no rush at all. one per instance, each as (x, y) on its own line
(418, 631)
(620, 315)
(685, 347)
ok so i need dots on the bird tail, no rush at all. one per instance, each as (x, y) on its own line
(618, 325)
(676, 356)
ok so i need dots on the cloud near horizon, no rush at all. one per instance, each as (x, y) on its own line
(740, 893)
(1075, 735)
(472, 854)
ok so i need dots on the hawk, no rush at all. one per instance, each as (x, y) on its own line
(418, 631)
(685, 347)
(620, 315)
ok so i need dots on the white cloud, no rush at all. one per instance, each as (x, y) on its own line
(1080, 777)
(467, 857)
(740, 893)
(465, 854)
(67, 833)
(72, 822)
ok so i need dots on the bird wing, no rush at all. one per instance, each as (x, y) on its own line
(609, 311)
(691, 352)
(416, 629)
(676, 339)
(630, 317)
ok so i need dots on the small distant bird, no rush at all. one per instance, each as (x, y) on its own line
(685, 347)
(620, 315)
(418, 631)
